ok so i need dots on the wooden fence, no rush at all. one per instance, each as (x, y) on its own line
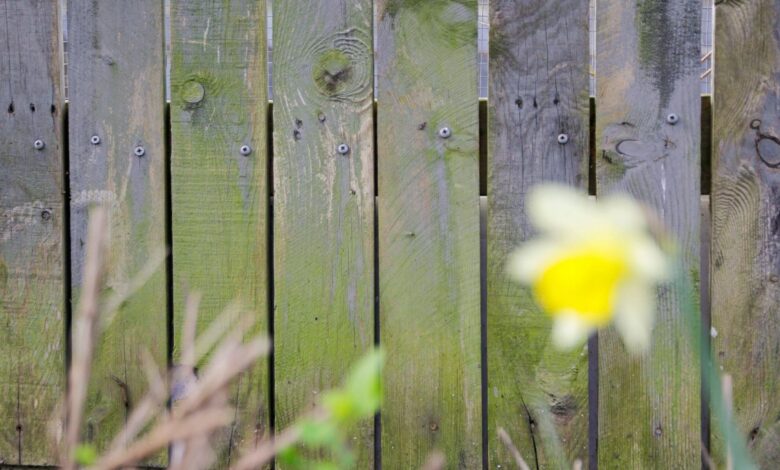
(345, 221)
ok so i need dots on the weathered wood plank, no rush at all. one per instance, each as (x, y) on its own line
(323, 201)
(116, 86)
(219, 181)
(428, 209)
(745, 205)
(538, 93)
(32, 304)
(648, 68)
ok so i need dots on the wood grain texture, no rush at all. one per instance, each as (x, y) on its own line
(219, 195)
(32, 304)
(538, 91)
(647, 68)
(323, 202)
(428, 209)
(746, 220)
(116, 87)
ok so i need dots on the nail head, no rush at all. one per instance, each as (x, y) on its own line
(245, 150)
(563, 139)
(672, 118)
(445, 132)
(38, 144)
(94, 140)
(46, 214)
(343, 149)
(139, 151)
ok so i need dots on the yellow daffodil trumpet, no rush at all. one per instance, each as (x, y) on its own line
(593, 264)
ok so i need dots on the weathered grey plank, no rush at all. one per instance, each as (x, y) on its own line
(538, 93)
(116, 88)
(746, 227)
(428, 210)
(32, 304)
(219, 182)
(647, 68)
(323, 201)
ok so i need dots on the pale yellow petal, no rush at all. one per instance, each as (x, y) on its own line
(560, 210)
(635, 314)
(570, 330)
(648, 259)
(623, 213)
(527, 262)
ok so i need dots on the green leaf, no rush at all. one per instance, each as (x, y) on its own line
(319, 433)
(364, 386)
(85, 455)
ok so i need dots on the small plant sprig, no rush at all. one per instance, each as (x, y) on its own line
(201, 405)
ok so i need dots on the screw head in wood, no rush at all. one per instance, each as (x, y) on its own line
(46, 214)
(343, 149)
(94, 140)
(672, 118)
(139, 151)
(563, 139)
(39, 145)
(445, 132)
(245, 150)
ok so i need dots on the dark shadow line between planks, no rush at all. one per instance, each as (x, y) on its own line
(483, 145)
(67, 288)
(705, 265)
(271, 306)
(706, 144)
(377, 330)
(169, 327)
(168, 235)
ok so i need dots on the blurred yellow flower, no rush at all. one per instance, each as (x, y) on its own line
(593, 264)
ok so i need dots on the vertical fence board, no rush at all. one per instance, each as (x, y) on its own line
(219, 192)
(116, 90)
(647, 68)
(32, 315)
(428, 210)
(323, 201)
(746, 204)
(538, 90)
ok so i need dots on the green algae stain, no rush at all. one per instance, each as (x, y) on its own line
(668, 35)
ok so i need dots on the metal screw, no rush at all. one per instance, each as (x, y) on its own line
(94, 140)
(139, 151)
(245, 150)
(38, 144)
(563, 139)
(343, 149)
(445, 132)
(672, 118)
(46, 214)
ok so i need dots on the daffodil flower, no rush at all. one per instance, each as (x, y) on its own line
(593, 264)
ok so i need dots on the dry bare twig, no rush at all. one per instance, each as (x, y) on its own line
(507, 441)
